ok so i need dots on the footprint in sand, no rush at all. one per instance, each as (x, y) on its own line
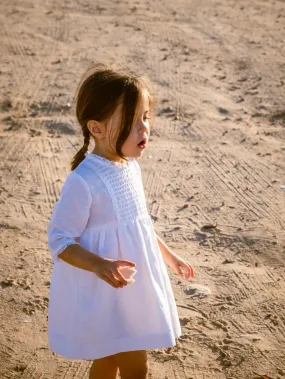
(198, 290)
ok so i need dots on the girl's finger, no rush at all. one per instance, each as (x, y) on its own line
(113, 280)
(107, 280)
(125, 263)
(187, 271)
(178, 270)
(120, 277)
(191, 270)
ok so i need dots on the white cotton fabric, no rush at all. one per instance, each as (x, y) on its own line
(102, 207)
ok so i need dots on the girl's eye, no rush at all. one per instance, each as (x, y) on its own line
(145, 118)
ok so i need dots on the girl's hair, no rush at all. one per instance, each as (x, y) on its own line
(100, 91)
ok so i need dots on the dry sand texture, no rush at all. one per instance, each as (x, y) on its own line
(216, 158)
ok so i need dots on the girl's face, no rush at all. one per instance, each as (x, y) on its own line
(105, 134)
(137, 140)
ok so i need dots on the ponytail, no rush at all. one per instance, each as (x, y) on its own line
(80, 155)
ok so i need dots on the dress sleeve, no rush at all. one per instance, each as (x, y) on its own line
(70, 215)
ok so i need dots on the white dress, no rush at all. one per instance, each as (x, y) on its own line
(102, 207)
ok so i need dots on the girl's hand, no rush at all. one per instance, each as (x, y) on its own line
(178, 264)
(108, 270)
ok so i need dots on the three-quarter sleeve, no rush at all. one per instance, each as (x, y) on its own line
(70, 214)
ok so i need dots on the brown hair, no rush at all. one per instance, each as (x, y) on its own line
(101, 90)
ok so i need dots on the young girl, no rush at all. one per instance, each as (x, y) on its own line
(101, 225)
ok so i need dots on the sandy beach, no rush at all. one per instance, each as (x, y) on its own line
(214, 170)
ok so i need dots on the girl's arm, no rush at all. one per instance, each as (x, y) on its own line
(69, 219)
(76, 256)
(174, 261)
(165, 251)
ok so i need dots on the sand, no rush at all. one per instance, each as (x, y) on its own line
(214, 171)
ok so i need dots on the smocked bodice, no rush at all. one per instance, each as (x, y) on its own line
(124, 184)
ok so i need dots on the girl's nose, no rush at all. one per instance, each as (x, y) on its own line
(144, 126)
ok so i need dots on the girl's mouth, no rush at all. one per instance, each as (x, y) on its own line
(142, 144)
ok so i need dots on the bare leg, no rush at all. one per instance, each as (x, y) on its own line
(132, 364)
(104, 368)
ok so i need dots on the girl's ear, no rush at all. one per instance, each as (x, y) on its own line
(96, 129)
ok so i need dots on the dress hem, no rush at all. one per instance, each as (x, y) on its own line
(118, 346)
